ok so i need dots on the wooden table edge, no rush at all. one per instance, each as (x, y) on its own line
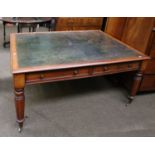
(13, 52)
(75, 65)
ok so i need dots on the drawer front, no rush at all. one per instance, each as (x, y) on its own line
(150, 68)
(128, 66)
(82, 72)
(116, 68)
(56, 75)
(148, 83)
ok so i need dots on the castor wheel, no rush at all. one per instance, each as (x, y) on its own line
(130, 99)
(20, 124)
(20, 129)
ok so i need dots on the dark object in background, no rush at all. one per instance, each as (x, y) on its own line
(28, 22)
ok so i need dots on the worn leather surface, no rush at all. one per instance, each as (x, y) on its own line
(39, 49)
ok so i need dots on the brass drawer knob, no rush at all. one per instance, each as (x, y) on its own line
(75, 72)
(42, 76)
(105, 68)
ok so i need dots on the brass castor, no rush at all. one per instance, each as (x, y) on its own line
(130, 99)
(21, 125)
(20, 129)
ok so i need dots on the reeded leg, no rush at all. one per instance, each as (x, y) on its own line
(20, 105)
(135, 86)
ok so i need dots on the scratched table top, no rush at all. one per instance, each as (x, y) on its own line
(67, 47)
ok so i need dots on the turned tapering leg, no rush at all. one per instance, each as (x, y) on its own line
(19, 84)
(20, 106)
(135, 86)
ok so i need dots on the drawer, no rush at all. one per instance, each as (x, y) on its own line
(56, 75)
(82, 72)
(128, 66)
(150, 68)
(148, 83)
(116, 68)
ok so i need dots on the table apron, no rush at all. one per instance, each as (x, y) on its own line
(79, 72)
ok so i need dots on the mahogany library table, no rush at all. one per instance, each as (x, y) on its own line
(40, 57)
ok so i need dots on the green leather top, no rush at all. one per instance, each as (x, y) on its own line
(40, 49)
